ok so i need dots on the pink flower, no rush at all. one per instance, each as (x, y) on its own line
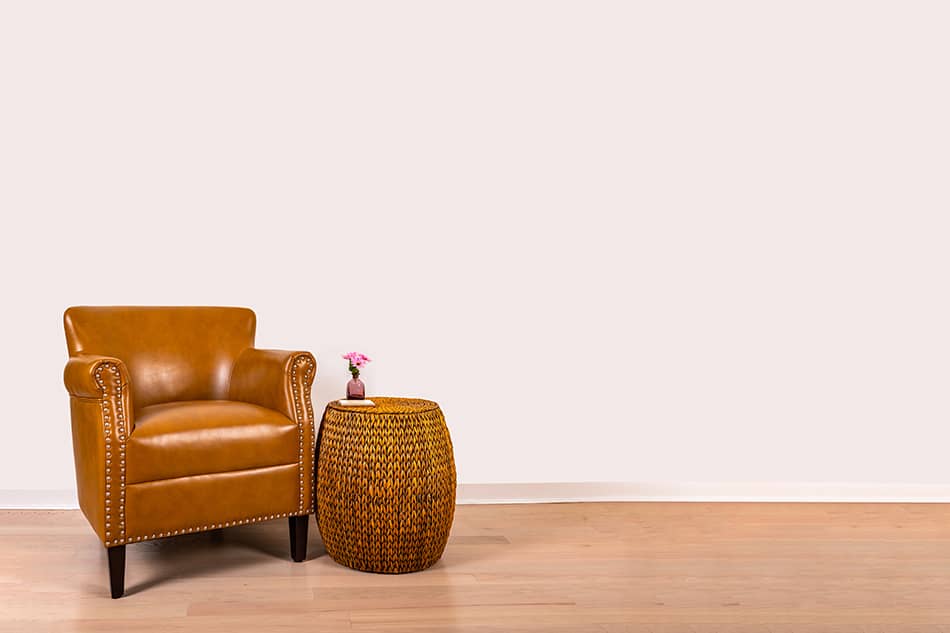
(357, 359)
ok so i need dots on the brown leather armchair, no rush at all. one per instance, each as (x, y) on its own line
(180, 425)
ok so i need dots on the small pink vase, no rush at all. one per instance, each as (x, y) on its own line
(355, 389)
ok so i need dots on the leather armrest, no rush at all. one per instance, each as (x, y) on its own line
(101, 411)
(281, 381)
(275, 379)
(84, 372)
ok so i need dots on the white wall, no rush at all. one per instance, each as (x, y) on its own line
(661, 242)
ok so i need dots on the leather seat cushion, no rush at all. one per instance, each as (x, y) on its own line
(201, 437)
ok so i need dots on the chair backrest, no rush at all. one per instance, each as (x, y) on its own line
(173, 354)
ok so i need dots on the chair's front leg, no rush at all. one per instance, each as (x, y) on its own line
(298, 537)
(117, 570)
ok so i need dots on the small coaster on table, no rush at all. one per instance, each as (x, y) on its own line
(357, 403)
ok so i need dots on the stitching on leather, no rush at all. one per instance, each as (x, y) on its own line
(220, 472)
(91, 398)
(107, 427)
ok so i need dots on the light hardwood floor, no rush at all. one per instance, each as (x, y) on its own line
(597, 567)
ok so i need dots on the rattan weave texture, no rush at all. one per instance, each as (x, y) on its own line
(385, 485)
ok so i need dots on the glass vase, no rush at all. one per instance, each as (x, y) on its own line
(355, 389)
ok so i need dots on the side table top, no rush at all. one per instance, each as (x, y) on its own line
(388, 406)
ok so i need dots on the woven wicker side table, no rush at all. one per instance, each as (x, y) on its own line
(385, 485)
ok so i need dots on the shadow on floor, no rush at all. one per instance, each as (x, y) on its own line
(213, 553)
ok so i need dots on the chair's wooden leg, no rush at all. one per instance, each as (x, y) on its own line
(117, 570)
(298, 537)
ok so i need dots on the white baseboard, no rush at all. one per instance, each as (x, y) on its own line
(38, 500)
(610, 491)
(705, 492)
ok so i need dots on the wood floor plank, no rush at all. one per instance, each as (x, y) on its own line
(581, 568)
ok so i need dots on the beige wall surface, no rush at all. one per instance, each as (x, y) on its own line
(618, 241)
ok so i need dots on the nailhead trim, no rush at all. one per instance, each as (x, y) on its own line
(311, 374)
(306, 360)
(202, 528)
(107, 427)
(312, 370)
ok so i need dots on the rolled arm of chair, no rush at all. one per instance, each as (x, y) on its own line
(106, 379)
(86, 375)
(101, 411)
(275, 379)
